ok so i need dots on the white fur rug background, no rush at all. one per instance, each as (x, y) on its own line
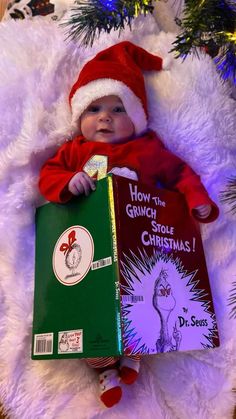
(196, 118)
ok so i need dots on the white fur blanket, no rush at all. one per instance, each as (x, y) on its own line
(196, 118)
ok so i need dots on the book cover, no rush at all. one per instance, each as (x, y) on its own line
(76, 298)
(165, 292)
(120, 271)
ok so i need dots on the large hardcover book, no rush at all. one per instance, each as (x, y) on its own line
(119, 272)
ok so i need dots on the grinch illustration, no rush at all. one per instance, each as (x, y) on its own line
(164, 303)
(73, 254)
(63, 343)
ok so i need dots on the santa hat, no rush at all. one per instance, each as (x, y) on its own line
(116, 71)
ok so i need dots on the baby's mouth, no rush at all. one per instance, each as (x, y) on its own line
(105, 131)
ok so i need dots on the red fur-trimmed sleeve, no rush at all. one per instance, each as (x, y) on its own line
(56, 174)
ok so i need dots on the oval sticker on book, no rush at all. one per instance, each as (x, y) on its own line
(73, 255)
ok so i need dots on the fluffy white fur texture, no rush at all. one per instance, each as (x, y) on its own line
(196, 118)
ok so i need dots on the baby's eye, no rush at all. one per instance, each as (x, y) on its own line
(93, 109)
(119, 109)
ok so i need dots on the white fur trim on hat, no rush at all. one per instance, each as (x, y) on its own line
(167, 62)
(106, 87)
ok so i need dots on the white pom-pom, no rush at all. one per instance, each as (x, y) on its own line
(125, 172)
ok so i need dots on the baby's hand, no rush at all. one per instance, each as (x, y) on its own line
(81, 183)
(203, 210)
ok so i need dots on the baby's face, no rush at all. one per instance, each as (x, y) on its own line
(105, 120)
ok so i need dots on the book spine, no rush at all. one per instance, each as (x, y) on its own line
(115, 261)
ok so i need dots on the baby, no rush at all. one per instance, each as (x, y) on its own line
(109, 107)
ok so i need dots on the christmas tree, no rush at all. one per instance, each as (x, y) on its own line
(90, 18)
(208, 25)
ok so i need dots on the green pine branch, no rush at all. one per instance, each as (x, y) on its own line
(209, 25)
(229, 195)
(232, 301)
(206, 24)
(204, 20)
(89, 18)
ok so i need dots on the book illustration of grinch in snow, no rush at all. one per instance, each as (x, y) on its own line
(164, 303)
(73, 254)
(158, 291)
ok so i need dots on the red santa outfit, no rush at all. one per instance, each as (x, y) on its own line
(146, 155)
(118, 71)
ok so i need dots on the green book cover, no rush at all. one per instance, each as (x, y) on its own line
(76, 303)
(120, 271)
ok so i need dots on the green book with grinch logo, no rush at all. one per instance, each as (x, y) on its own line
(120, 272)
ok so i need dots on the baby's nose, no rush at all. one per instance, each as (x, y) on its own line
(105, 116)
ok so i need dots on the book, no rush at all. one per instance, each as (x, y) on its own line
(122, 271)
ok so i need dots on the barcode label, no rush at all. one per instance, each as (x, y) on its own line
(43, 344)
(101, 263)
(131, 299)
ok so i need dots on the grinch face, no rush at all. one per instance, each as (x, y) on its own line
(163, 297)
(106, 121)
